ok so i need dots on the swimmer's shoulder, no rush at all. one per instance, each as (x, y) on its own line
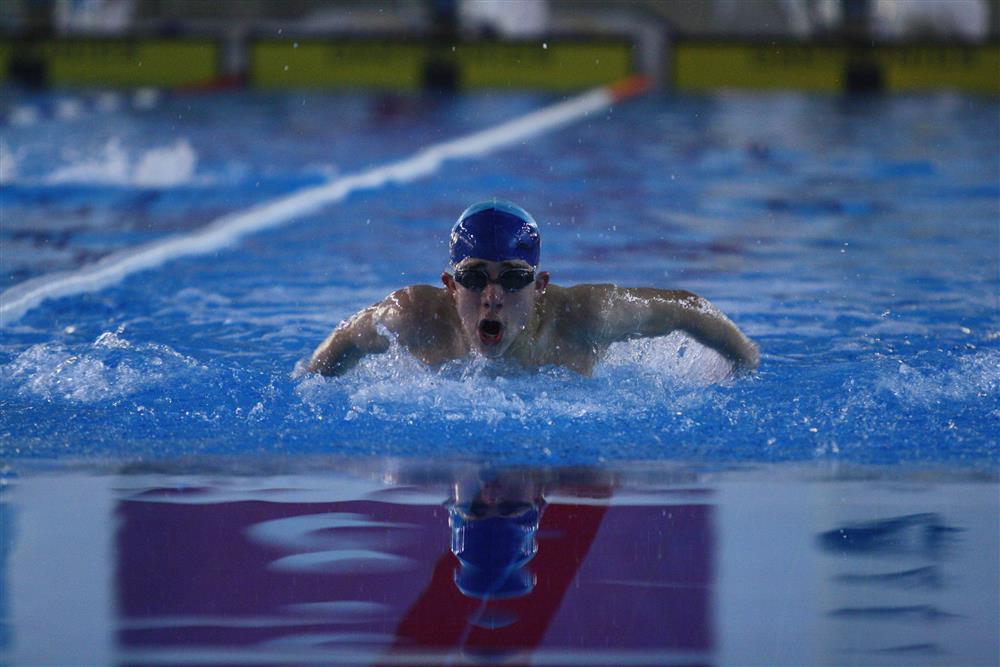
(417, 296)
(576, 312)
(414, 303)
(422, 315)
(582, 300)
(598, 297)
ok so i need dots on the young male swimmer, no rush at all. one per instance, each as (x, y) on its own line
(497, 304)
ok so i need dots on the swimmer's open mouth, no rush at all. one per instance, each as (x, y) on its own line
(490, 332)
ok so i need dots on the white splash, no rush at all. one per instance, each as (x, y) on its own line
(109, 368)
(169, 166)
(163, 167)
(395, 387)
(9, 161)
(976, 375)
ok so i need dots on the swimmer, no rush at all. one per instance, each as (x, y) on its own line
(497, 304)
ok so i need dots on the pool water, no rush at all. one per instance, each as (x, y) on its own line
(217, 505)
(854, 239)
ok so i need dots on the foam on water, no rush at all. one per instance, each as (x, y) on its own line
(9, 160)
(874, 307)
(109, 368)
(160, 167)
(646, 399)
(397, 387)
(120, 164)
(975, 377)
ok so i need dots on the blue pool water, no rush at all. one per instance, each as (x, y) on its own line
(175, 490)
(856, 240)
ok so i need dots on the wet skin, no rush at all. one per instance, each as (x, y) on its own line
(538, 325)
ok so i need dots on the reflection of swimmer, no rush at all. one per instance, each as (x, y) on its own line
(495, 303)
(513, 559)
(493, 524)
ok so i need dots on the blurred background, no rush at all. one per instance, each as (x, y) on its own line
(818, 45)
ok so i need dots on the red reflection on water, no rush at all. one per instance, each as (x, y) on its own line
(607, 578)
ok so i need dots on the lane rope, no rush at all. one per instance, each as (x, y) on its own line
(79, 107)
(228, 229)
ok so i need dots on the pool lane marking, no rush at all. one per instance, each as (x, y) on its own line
(228, 229)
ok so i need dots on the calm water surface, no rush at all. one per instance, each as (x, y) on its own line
(399, 562)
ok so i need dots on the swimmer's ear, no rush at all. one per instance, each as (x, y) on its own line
(541, 281)
(448, 281)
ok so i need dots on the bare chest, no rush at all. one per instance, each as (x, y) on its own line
(555, 343)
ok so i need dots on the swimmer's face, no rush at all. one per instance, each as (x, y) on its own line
(494, 316)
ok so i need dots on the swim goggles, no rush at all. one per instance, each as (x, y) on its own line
(511, 280)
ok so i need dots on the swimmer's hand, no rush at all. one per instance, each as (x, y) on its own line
(644, 312)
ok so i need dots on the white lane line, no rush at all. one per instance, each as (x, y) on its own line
(228, 229)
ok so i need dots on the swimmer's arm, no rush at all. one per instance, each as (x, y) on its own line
(643, 312)
(421, 318)
(349, 343)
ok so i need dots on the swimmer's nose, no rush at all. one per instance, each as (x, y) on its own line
(493, 297)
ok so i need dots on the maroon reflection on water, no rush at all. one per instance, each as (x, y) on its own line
(182, 561)
(191, 574)
(618, 577)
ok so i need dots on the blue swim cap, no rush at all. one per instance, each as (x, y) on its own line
(492, 553)
(496, 231)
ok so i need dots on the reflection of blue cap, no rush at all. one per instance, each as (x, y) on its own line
(492, 553)
(495, 230)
